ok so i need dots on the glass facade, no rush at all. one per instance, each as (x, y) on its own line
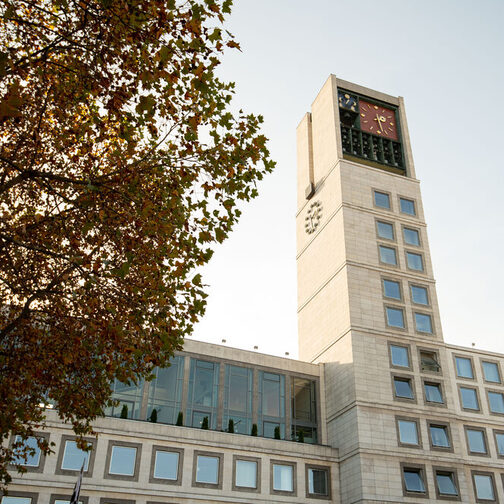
(129, 396)
(238, 398)
(271, 404)
(304, 409)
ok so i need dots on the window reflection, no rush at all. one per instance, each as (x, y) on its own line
(203, 393)
(238, 399)
(129, 396)
(271, 403)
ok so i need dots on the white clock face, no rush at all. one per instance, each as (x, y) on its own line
(313, 217)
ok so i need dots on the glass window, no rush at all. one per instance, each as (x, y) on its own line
(419, 295)
(413, 480)
(433, 392)
(476, 440)
(491, 372)
(283, 478)
(483, 483)
(496, 401)
(63, 501)
(74, 457)
(469, 398)
(395, 317)
(446, 485)
(408, 433)
(207, 469)
(317, 481)
(122, 460)
(411, 236)
(385, 230)
(439, 436)
(238, 398)
(392, 289)
(246, 474)
(166, 465)
(304, 409)
(429, 361)
(464, 367)
(203, 393)
(271, 403)
(382, 199)
(423, 322)
(499, 440)
(399, 356)
(129, 396)
(402, 388)
(407, 206)
(388, 255)
(16, 500)
(415, 261)
(32, 456)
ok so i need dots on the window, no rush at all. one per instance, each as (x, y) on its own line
(419, 295)
(73, 457)
(446, 483)
(496, 402)
(392, 289)
(207, 469)
(304, 409)
(423, 322)
(166, 464)
(414, 480)
(388, 255)
(271, 404)
(318, 481)
(411, 236)
(491, 372)
(283, 477)
(32, 455)
(129, 396)
(16, 500)
(439, 436)
(65, 499)
(469, 398)
(484, 486)
(399, 356)
(385, 230)
(476, 441)
(429, 361)
(499, 442)
(464, 367)
(246, 471)
(395, 317)
(414, 261)
(403, 388)
(433, 392)
(238, 398)
(408, 432)
(382, 199)
(123, 460)
(407, 206)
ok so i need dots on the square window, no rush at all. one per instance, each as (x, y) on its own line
(403, 388)
(484, 487)
(423, 322)
(74, 457)
(399, 356)
(382, 199)
(283, 478)
(476, 441)
(392, 289)
(496, 402)
(207, 469)
(411, 236)
(429, 362)
(491, 372)
(166, 465)
(122, 460)
(388, 255)
(395, 317)
(318, 482)
(469, 398)
(464, 367)
(407, 206)
(446, 483)
(245, 473)
(414, 480)
(32, 457)
(385, 230)
(439, 436)
(408, 432)
(414, 261)
(419, 295)
(499, 441)
(433, 392)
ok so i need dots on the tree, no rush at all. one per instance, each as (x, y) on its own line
(277, 432)
(204, 423)
(180, 419)
(124, 411)
(153, 416)
(253, 432)
(231, 426)
(121, 166)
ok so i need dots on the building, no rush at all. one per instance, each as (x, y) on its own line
(388, 412)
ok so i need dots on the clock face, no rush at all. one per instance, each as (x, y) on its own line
(347, 101)
(378, 120)
(313, 216)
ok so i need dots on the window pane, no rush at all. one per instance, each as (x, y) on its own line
(491, 372)
(484, 487)
(469, 398)
(408, 432)
(419, 295)
(496, 401)
(395, 317)
(464, 367)
(166, 465)
(411, 236)
(283, 478)
(391, 289)
(317, 481)
(403, 388)
(271, 395)
(31, 460)
(303, 397)
(269, 429)
(428, 362)
(413, 481)
(74, 457)
(399, 356)
(381, 199)
(129, 396)
(476, 441)
(385, 230)
(246, 474)
(207, 470)
(446, 484)
(407, 206)
(122, 460)
(423, 322)
(433, 393)
(439, 436)
(500, 443)
(16, 500)
(414, 261)
(388, 255)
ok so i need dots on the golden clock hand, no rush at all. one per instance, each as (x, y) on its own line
(378, 118)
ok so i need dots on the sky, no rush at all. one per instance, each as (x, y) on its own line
(445, 58)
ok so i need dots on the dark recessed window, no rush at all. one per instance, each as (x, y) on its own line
(408, 432)
(419, 295)
(446, 483)
(491, 372)
(439, 436)
(464, 367)
(411, 236)
(395, 317)
(392, 289)
(382, 200)
(385, 230)
(423, 323)
(469, 398)
(476, 441)
(402, 388)
(415, 261)
(317, 482)
(413, 480)
(407, 206)
(496, 401)
(433, 392)
(388, 255)
(429, 361)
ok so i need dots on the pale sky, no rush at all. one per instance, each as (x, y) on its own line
(445, 57)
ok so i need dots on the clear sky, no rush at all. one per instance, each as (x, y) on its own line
(446, 58)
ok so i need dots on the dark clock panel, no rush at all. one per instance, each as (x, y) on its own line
(369, 131)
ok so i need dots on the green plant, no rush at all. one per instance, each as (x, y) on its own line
(124, 411)
(277, 432)
(254, 430)
(204, 424)
(153, 416)
(231, 426)
(180, 419)
(301, 437)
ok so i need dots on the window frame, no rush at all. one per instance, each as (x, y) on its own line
(107, 500)
(475, 388)
(491, 361)
(393, 327)
(61, 456)
(421, 469)
(54, 497)
(373, 191)
(411, 228)
(473, 370)
(309, 495)
(391, 224)
(485, 439)
(388, 245)
(446, 425)
(27, 495)
(433, 351)
(453, 471)
(413, 302)
(422, 257)
(415, 206)
(487, 392)
(390, 344)
(428, 381)
(430, 315)
(418, 430)
(492, 479)
(33, 469)
(123, 477)
(257, 488)
(218, 455)
(495, 433)
(165, 481)
(401, 294)
(274, 462)
(402, 377)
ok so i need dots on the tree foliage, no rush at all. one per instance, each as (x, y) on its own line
(121, 163)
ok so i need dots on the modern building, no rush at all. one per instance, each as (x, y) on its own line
(377, 410)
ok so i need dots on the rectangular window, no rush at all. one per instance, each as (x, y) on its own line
(496, 402)
(411, 236)
(207, 469)
(407, 206)
(238, 398)
(382, 199)
(318, 482)
(433, 392)
(439, 436)
(245, 473)
(408, 432)
(385, 230)
(414, 261)
(166, 464)
(16, 500)
(476, 441)
(429, 362)
(395, 317)
(304, 409)
(464, 367)
(283, 478)
(499, 442)
(388, 255)
(469, 398)
(446, 483)
(491, 372)
(403, 388)
(32, 455)
(484, 486)
(122, 461)
(423, 322)
(392, 289)
(414, 480)
(73, 457)
(399, 356)
(419, 295)
(271, 404)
